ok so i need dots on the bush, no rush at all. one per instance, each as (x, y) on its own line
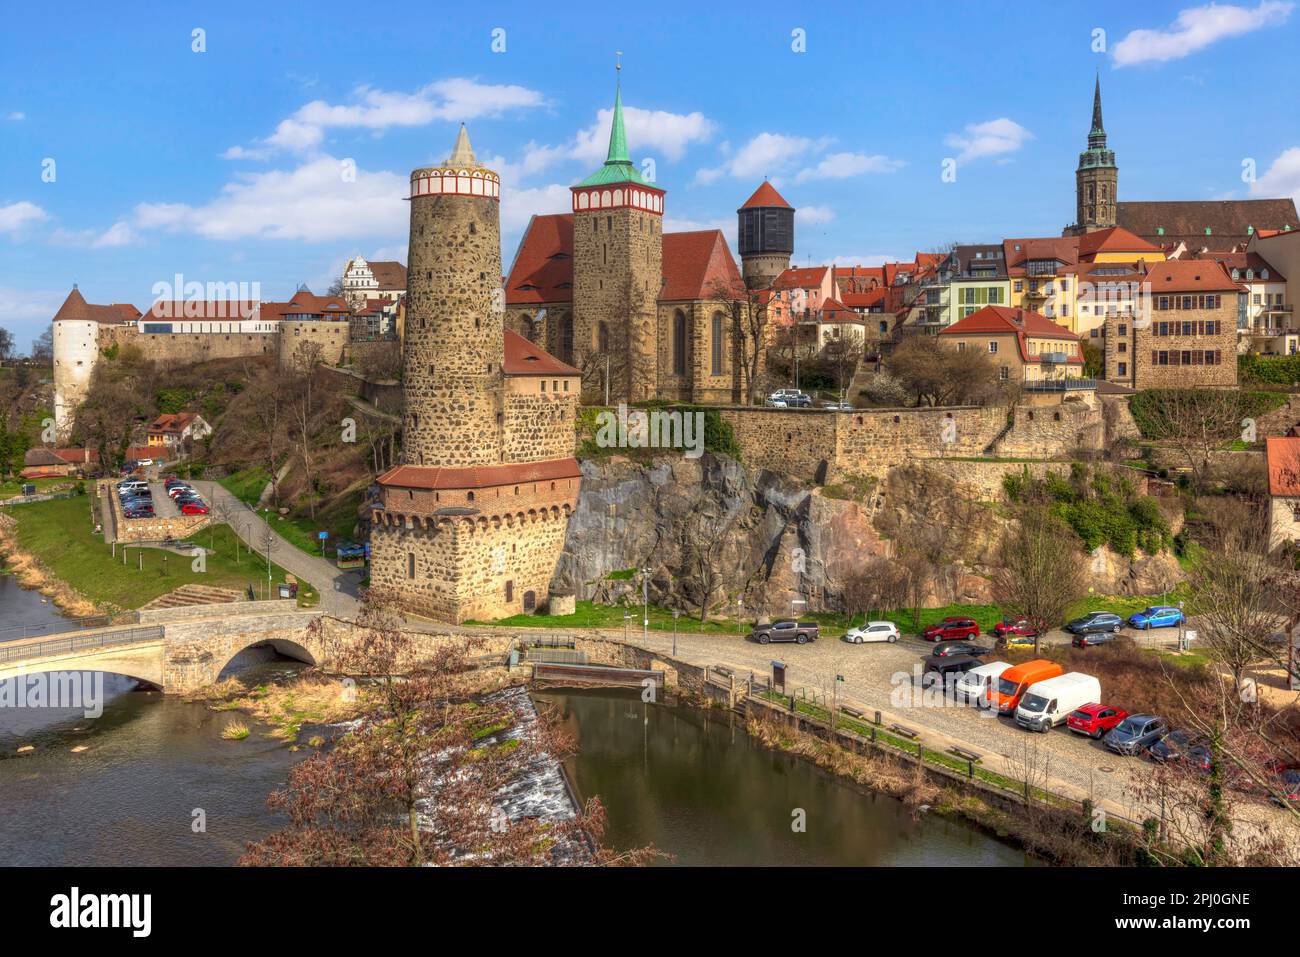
(1146, 406)
(1276, 370)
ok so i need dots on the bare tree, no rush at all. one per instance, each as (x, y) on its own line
(702, 542)
(1194, 422)
(935, 374)
(1040, 571)
(747, 309)
(878, 587)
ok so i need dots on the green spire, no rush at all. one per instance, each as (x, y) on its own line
(617, 135)
(1096, 107)
(618, 166)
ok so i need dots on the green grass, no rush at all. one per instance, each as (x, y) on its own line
(301, 531)
(14, 486)
(60, 534)
(246, 484)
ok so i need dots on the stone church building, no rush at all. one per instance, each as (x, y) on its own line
(642, 313)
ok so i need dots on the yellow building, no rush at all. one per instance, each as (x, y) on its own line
(1025, 346)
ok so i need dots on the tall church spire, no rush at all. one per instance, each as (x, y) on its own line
(617, 135)
(1097, 135)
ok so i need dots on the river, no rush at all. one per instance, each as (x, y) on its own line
(689, 782)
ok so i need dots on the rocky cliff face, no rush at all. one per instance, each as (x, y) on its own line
(711, 526)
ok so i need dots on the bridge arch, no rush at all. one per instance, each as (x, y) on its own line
(282, 646)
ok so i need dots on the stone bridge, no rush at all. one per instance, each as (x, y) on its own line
(177, 650)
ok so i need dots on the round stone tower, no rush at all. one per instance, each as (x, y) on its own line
(765, 234)
(455, 306)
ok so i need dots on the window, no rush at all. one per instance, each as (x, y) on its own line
(716, 344)
(602, 336)
(993, 347)
(1123, 369)
(410, 564)
(679, 343)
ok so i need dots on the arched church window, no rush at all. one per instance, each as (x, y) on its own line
(679, 343)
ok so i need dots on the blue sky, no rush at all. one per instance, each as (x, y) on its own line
(232, 164)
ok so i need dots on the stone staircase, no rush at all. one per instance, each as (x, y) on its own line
(187, 595)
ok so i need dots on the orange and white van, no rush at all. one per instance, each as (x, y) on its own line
(1003, 695)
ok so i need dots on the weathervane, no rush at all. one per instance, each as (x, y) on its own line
(618, 61)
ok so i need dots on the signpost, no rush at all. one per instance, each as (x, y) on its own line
(778, 676)
(322, 536)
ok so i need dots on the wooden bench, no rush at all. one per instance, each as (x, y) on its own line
(904, 732)
(964, 754)
(851, 712)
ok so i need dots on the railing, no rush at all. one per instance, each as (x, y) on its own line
(63, 646)
(1060, 385)
(16, 632)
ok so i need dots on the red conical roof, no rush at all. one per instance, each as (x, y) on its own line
(766, 195)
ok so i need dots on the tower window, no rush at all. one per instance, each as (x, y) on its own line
(410, 564)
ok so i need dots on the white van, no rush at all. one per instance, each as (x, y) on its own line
(974, 682)
(1048, 703)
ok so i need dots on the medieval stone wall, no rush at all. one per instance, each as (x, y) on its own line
(180, 348)
(304, 342)
(539, 424)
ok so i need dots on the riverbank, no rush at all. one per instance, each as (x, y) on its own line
(31, 573)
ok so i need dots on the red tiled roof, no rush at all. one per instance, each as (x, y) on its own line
(698, 265)
(543, 266)
(75, 308)
(173, 421)
(765, 195)
(40, 456)
(526, 358)
(806, 277)
(1283, 454)
(1065, 249)
(695, 264)
(1243, 261)
(994, 320)
(1189, 275)
(77, 456)
(835, 311)
(390, 274)
(858, 278)
(864, 300)
(487, 476)
(1117, 239)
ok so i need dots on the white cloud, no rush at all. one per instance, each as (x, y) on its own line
(16, 116)
(1282, 178)
(311, 203)
(27, 312)
(119, 234)
(458, 98)
(991, 138)
(648, 132)
(518, 205)
(1196, 28)
(680, 225)
(765, 154)
(814, 215)
(844, 165)
(15, 216)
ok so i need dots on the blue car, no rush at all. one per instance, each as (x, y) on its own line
(1157, 616)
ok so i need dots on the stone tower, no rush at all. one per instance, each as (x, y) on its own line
(1096, 179)
(472, 522)
(766, 236)
(617, 273)
(452, 355)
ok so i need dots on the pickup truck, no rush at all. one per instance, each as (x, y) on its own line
(787, 629)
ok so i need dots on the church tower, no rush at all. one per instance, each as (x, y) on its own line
(1096, 179)
(617, 273)
(471, 523)
(766, 236)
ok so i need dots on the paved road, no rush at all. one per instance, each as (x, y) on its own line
(337, 587)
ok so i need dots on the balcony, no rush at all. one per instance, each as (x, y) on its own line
(1060, 385)
(1053, 358)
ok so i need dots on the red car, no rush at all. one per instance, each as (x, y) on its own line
(1020, 626)
(952, 629)
(188, 509)
(1094, 720)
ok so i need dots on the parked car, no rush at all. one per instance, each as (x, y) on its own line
(838, 406)
(1095, 638)
(772, 403)
(194, 508)
(793, 398)
(975, 683)
(1135, 733)
(1008, 628)
(1288, 782)
(787, 629)
(1095, 719)
(949, 667)
(175, 490)
(1004, 695)
(946, 648)
(1095, 623)
(1181, 747)
(1157, 616)
(952, 628)
(1046, 704)
(872, 631)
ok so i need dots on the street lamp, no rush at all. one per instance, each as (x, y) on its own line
(645, 605)
(676, 612)
(740, 608)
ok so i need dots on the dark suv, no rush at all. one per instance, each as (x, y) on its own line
(951, 629)
(1135, 734)
(787, 629)
(1096, 623)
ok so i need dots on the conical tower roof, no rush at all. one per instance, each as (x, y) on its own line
(766, 196)
(462, 154)
(618, 166)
